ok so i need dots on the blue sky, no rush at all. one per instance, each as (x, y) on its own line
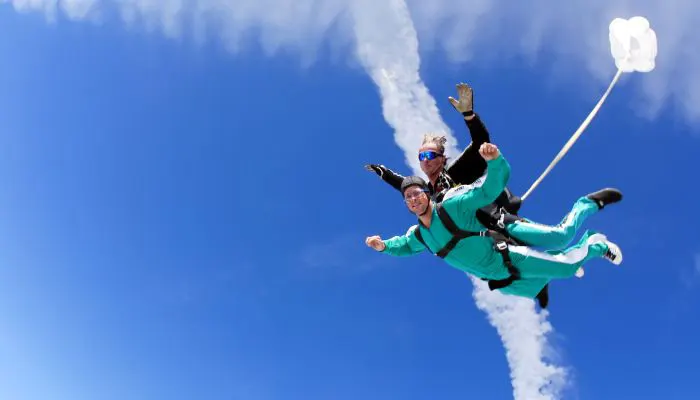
(182, 222)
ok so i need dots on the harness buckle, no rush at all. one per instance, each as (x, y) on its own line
(501, 219)
(501, 246)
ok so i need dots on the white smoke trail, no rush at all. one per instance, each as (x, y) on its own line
(523, 332)
(387, 47)
(479, 31)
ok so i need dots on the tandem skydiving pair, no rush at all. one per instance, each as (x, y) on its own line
(468, 217)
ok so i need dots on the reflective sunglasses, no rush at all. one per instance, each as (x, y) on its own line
(428, 155)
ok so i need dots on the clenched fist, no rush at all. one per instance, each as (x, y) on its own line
(376, 243)
(489, 151)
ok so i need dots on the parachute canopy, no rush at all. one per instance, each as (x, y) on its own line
(633, 44)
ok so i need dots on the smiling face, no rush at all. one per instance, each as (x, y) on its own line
(416, 199)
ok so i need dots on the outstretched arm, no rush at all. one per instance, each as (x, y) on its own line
(387, 175)
(399, 246)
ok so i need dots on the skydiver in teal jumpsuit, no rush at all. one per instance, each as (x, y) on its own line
(468, 169)
(477, 255)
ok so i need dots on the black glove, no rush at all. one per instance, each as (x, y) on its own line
(376, 168)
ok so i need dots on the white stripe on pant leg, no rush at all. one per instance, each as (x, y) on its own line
(537, 226)
(568, 220)
(572, 257)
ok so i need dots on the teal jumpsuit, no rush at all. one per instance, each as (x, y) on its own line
(477, 256)
(553, 237)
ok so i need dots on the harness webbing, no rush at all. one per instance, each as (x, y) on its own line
(500, 244)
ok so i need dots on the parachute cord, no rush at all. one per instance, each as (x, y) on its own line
(575, 136)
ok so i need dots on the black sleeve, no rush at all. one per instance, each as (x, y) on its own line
(469, 165)
(392, 178)
(478, 131)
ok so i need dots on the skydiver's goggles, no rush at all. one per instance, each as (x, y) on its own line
(414, 194)
(428, 155)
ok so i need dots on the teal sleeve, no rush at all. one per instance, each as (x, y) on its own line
(406, 245)
(477, 196)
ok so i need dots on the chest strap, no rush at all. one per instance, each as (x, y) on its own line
(501, 242)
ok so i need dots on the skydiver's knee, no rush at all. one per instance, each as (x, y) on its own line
(561, 237)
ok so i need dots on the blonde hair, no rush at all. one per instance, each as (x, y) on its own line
(439, 141)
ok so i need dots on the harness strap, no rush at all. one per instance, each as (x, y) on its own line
(496, 218)
(500, 245)
(501, 242)
(442, 253)
(419, 236)
(457, 234)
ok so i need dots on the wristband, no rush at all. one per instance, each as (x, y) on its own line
(468, 113)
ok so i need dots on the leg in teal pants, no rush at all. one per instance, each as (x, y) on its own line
(538, 268)
(554, 237)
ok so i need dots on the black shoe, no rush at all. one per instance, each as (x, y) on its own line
(605, 196)
(543, 296)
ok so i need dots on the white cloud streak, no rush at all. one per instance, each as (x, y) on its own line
(476, 31)
(388, 48)
(386, 34)
(524, 335)
(575, 33)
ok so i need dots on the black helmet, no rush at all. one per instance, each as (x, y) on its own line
(413, 181)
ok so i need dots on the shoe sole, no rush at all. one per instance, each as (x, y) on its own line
(615, 249)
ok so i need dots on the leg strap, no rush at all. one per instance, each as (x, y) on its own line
(501, 245)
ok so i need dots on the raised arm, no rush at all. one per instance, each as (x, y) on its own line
(387, 175)
(485, 190)
(469, 165)
(477, 131)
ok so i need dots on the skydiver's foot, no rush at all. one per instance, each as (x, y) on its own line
(543, 297)
(605, 196)
(614, 254)
(580, 272)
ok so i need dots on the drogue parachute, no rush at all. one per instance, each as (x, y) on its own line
(633, 46)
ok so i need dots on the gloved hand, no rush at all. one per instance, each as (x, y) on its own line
(465, 104)
(376, 168)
